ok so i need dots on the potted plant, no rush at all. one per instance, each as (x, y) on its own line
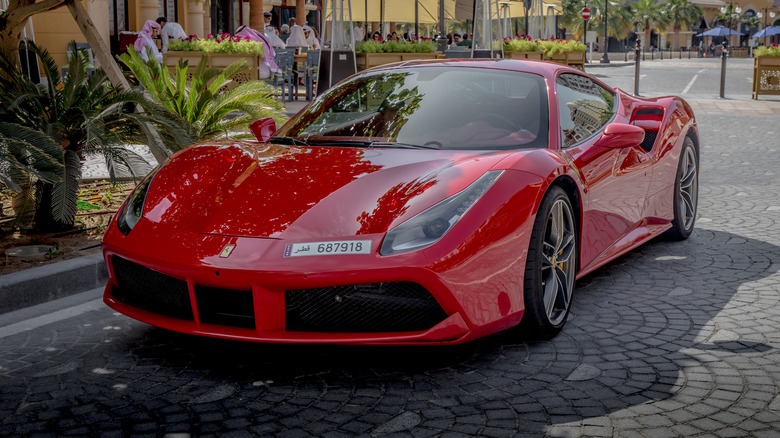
(374, 53)
(766, 70)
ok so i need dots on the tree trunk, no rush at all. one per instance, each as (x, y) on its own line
(16, 17)
(44, 220)
(96, 43)
(676, 45)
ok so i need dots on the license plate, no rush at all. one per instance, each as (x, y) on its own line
(336, 247)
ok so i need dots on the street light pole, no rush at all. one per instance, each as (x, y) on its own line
(769, 14)
(731, 11)
(605, 58)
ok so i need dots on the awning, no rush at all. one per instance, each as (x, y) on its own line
(403, 11)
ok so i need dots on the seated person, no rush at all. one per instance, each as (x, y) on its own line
(145, 45)
(268, 65)
(170, 31)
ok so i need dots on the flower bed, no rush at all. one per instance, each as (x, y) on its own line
(567, 52)
(372, 54)
(766, 71)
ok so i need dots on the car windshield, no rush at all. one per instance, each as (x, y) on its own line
(430, 107)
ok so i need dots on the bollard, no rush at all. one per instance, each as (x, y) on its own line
(662, 54)
(636, 70)
(723, 70)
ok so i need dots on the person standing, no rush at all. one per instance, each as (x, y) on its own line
(359, 32)
(145, 45)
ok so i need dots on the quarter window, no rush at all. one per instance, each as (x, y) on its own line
(584, 107)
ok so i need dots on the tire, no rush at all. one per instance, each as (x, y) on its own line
(686, 192)
(551, 267)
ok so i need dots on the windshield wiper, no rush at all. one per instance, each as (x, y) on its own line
(399, 145)
(357, 143)
(288, 140)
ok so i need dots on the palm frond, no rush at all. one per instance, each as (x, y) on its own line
(23, 204)
(65, 192)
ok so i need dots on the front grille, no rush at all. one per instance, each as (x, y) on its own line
(229, 307)
(649, 141)
(377, 307)
(146, 289)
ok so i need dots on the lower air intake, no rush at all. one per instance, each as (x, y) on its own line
(649, 141)
(230, 307)
(149, 290)
(377, 307)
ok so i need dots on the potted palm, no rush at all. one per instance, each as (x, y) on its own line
(374, 53)
(766, 71)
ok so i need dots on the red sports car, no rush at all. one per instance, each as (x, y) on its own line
(417, 203)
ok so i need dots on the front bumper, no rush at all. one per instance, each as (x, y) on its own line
(256, 294)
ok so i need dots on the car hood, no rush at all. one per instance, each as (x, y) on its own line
(273, 191)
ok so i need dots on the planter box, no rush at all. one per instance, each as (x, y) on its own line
(369, 60)
(766, 75)
(524, 55)
(739, 52)
(216, 60)
(572, 59)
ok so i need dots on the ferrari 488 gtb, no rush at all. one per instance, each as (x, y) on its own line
(417, 203)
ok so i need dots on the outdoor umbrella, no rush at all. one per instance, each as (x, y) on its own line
(720, 31)
(767, 31)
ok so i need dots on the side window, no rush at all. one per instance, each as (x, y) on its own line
(584, 107)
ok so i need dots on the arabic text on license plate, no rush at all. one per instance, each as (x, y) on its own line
(328, 248)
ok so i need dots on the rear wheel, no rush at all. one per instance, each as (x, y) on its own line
(551, 266)
(686, 192)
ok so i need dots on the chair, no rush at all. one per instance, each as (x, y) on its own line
(312, 68)
(285, 58)
(90, 57)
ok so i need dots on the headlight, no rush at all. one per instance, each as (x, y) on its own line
(133, 208)
(432, 224)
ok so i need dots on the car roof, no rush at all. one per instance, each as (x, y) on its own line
(543, 68)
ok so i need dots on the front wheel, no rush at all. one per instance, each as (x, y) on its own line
(551, 266)
(686, 191)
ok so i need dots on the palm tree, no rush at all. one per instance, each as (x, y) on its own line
(682, 13)
(619, 18)
(205, 102)
(571, 18)
(648, 16)
(70, 118)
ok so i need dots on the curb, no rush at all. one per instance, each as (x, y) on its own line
(41, 284)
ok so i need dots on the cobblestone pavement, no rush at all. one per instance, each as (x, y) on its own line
(673, 339)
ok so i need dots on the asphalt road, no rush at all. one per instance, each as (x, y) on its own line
(696, 78)
(673, 339)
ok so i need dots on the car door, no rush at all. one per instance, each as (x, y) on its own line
(616, 179)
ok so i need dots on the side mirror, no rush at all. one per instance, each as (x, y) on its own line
(263, 129)
(621, 135)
